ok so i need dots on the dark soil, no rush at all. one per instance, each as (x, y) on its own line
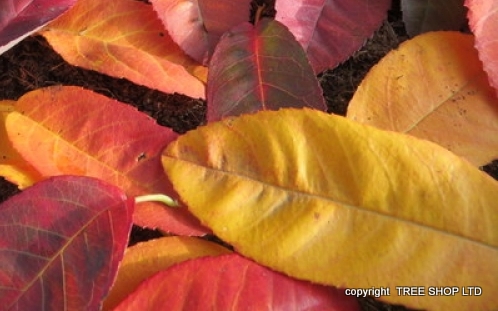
(32, 64)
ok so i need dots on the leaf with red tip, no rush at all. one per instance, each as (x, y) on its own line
(147, 258)
(20, 18)
(260, 67)
(60, 244)
(232, 282)
(483, 21)
(331, 30)
(196, 26)
(73, 131)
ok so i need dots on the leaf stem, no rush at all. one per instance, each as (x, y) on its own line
(259, 12)
(157, 198)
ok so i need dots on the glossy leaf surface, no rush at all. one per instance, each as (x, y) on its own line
(231, 282)
(433, 87)
(145, 259)
(421, 16)
(258, 68)
(483, 21)
(331, 30)
(73, 131)
(20, 18)
(196, 26)
(323, 198)
(124, 38)
(61, 243)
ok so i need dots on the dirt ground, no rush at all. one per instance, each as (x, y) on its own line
(32, 64)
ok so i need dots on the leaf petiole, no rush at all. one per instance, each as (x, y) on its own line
(157, 198)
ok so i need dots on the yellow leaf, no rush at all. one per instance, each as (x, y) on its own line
(433, 87)
(145, 259)
(323, 198)
(12, 165)
(125, 38)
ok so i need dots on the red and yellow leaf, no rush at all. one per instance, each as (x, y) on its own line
(124, 38)
(73, 131)
(257, 68)
(483, 21)
(326, 199)
(145, 259)
(231, 282)
(61, 243)
(433, 87)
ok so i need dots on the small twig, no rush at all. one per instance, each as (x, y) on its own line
(157, 198)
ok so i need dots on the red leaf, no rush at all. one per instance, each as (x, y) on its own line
(20, 18)
(231, 282)
(60, 244)
(73, 131)
(258, 68)
(483, 20)
(331, 30)
(196, 26)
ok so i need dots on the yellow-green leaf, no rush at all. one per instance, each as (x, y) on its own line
(323, 198)
(433, 87)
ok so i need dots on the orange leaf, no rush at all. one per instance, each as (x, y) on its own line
(322, 198)
(433, 87)
(12, 166)
(73, 131)
(145, 259)
(125, 38)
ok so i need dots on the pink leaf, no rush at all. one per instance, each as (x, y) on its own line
(197, 25)
(331, 30)
(232, 282)
(60, 244)
(20, 18)
(483, 20)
